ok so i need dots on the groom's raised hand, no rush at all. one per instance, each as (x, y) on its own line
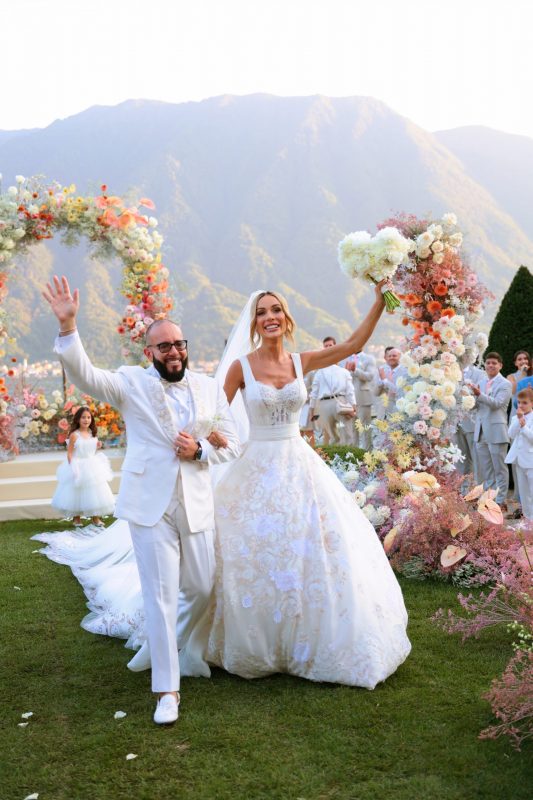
(64, 304)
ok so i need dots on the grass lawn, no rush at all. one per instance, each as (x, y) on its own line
(280, 737)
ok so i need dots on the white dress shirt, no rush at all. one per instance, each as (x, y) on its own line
(178, 393)
(331, 381)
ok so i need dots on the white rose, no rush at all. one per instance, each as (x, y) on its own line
(424, 252)
(413, 371)
(20, 178)
(437, 392)
(424, 240)
(449, 387)
(449, 219)
(439, 415)
(456, 239)
(438, 258)
(437, 247)
(448, 401)
(419, 387)
(9, 244)
(411, 409)
(468, 402)
(435, 230)
(425, 371)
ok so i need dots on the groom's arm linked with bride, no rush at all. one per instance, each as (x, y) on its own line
(166, 492)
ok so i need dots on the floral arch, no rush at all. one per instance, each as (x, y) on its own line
(32, 211)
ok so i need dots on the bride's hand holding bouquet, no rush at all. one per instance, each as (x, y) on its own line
(375, 259)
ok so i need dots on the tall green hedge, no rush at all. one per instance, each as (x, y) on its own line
(512, 328)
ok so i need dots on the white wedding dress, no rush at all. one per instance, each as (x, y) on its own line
(302, 585)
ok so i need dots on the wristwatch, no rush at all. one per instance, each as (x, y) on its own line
(198, 454)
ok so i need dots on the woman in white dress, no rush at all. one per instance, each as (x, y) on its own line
(303, 584)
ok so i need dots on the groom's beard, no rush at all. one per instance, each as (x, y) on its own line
(171, 377)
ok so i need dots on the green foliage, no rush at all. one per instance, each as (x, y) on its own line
(342, 450)
(414, 736)
(512, 328)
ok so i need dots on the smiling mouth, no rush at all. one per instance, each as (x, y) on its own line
(271, 328)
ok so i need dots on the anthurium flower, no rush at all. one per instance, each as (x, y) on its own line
(463, 523)
(388, 541)
(452, 555)
(474, 493)
(489, 509)
(418, 481)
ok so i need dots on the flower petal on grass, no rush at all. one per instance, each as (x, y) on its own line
(451, 555)
(33, 796)
(27, 715)
(22, 724)
(131, 756)
(474, 493)
(17, 588)
(119, 715)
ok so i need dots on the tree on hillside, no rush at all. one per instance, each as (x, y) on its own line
(512, 328)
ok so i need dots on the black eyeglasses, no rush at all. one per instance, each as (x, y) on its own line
(166, 347)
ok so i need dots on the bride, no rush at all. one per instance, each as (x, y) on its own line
(302, 584)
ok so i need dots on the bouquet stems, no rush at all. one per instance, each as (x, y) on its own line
(391, 300)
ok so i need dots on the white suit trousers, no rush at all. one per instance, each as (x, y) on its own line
(525, 487)
(175, 566)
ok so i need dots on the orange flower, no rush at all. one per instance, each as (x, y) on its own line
(434, 306)
(441, 290)
(448, 312)
(405, 321)
(412, 299)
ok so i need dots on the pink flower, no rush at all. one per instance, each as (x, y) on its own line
(434, 433)
(420, 426)
(425, 412)
(460, 287)
(471, 279)
(63, 425)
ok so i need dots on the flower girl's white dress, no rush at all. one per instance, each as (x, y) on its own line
(302, 584)
(83, 485)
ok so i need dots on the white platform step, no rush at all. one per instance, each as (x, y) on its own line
(28, 482)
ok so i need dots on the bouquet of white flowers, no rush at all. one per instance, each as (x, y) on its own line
(375, 258)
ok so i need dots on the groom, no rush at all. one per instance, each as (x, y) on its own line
(165, 491)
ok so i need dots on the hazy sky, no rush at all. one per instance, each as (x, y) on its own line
(442, 64)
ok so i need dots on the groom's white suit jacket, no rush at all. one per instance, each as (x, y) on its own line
(151, 466)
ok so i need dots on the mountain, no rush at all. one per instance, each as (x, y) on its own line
(502, 162)
(253, 192)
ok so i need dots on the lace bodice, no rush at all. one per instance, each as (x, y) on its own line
(85, 448)
(266, 405)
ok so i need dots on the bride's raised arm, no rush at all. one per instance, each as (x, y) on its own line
(318, 359)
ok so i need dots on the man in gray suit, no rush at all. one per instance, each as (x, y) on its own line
(491, 434)
(364, 375)
(464, 436)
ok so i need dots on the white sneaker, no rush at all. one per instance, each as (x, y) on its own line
(167, 710)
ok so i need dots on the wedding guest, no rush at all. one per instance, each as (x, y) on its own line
(364, 376)
(331, 387)
(522, 362)
(386, 386)
(521, 452)
(464, 436)
(491, 434)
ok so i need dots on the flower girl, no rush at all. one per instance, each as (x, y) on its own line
(83, 479)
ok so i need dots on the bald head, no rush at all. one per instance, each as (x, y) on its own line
(162, 330)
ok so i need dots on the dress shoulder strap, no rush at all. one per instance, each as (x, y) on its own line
(247, 373)
(297, 361)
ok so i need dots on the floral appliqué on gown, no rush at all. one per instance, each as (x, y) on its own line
(303, 584)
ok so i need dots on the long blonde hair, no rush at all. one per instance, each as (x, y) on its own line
(291, 325)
